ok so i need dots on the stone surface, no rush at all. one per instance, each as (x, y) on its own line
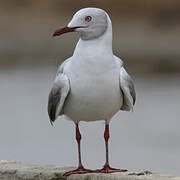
(11, 170)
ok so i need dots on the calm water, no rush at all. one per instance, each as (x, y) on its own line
(148, 139)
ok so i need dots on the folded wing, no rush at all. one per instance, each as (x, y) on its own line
(128, 90)
(58, 95)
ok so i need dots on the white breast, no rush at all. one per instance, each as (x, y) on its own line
(95, 93)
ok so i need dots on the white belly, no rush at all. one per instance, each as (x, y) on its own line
(93, 97)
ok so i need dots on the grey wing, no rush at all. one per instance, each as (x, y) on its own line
(61, 67)
(128, 90)
(57, 96)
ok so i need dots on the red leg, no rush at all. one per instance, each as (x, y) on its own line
(80, 169)
(107, 168)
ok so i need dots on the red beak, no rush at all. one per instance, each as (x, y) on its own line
(63, 30)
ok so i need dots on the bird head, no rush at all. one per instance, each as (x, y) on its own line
(90, 23)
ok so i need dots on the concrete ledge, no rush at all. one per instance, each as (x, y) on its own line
(11, 170)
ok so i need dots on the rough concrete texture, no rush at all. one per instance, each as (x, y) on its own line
(11, 170)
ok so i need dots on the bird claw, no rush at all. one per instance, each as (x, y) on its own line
(108, 169)
(79, 170)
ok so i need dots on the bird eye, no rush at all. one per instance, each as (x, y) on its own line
(88, 18)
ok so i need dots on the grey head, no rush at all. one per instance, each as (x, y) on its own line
(90, 23)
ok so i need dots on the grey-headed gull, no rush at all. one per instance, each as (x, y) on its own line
(91, 85)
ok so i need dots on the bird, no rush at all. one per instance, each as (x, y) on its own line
(92, 84)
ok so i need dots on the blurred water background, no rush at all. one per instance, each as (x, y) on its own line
(146, 37)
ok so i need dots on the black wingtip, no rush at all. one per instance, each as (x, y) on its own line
(52, 123)
(134, 98)
(53, 101)
(51, 114)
